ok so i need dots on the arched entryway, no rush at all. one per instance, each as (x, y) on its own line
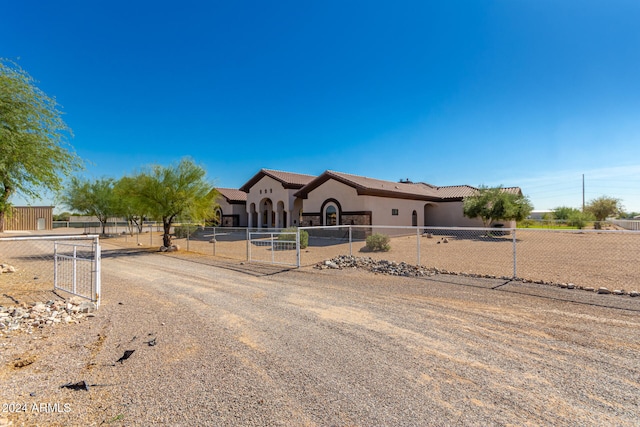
(267, 214)
(281, 217)
(429, 214)
(253, 216)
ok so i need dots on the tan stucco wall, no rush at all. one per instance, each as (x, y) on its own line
(269, 188)
(347, 196)
(234, 209)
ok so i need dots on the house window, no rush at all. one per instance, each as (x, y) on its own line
(394, 211)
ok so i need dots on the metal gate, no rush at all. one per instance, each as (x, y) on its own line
(77, 268)
(274, 247)
(69, 263)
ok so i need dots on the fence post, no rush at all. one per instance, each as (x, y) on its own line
(273, 255)
(515, 257)
(75, 257)
(215, 241)
(55, 265)
(298, 247)
(418, 244)
(98, 262)
(188, 233)
(151, 234)
(350, 240)
(248, 244)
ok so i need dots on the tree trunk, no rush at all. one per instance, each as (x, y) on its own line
(2, 221)
(166, 238)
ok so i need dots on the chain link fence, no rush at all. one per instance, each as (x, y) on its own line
(34, 266)
(589, 258)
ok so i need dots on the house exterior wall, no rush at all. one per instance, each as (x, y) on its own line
(25, 218)
(234, 214)
(332, 189)
(375, 210)
(269, 188)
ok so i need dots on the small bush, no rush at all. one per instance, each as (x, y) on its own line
(378, 242)
(182, 231)
(291, 237)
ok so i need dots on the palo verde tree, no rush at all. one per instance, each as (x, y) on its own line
(95, 198)
(129, 205)
(494, 204)
(603, 207)
(34, 150)
(177, 191)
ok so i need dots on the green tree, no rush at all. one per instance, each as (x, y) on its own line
(563, 213)
(494, 204)
(34, 150)
(128, 204)
(95, 198)
(178, 191)
(603, 207)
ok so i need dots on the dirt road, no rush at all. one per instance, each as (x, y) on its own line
(245, 345)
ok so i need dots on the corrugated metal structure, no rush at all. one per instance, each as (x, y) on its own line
(30, 218)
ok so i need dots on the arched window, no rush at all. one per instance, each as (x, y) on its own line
(414, 219)
(331, 215)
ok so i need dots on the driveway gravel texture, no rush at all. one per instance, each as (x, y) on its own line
(252, 345)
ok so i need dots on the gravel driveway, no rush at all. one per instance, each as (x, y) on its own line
(249, 345)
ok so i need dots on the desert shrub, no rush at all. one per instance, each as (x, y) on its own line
(378, 242)
(579, 219)
(184, 230)
(290, 236)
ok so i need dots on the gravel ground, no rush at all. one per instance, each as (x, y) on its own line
(251, 345)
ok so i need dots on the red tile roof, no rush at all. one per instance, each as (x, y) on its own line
(232, 194)
(404, 190)
(288, 179)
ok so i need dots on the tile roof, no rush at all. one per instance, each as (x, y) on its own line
(289, 177)
(405, 190)
(366, 184)
(232, 194)
(289, 180)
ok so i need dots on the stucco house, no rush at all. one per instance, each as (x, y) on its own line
(277, 199)
(271, 200)
(336, 198)
(232, 208)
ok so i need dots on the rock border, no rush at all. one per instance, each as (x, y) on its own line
(407, 270)
(27, 317)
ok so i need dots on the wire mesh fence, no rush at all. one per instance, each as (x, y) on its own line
(588, 258)
(38, 264)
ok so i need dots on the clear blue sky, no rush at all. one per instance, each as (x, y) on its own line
(519, 93)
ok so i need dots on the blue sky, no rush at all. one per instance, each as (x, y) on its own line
(513, 92)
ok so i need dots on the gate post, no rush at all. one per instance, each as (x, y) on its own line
(55, 265)
(515, 256)
(98, 261)
(298, 247)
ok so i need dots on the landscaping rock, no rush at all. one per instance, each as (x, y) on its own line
(39, 314)
(603, 291)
